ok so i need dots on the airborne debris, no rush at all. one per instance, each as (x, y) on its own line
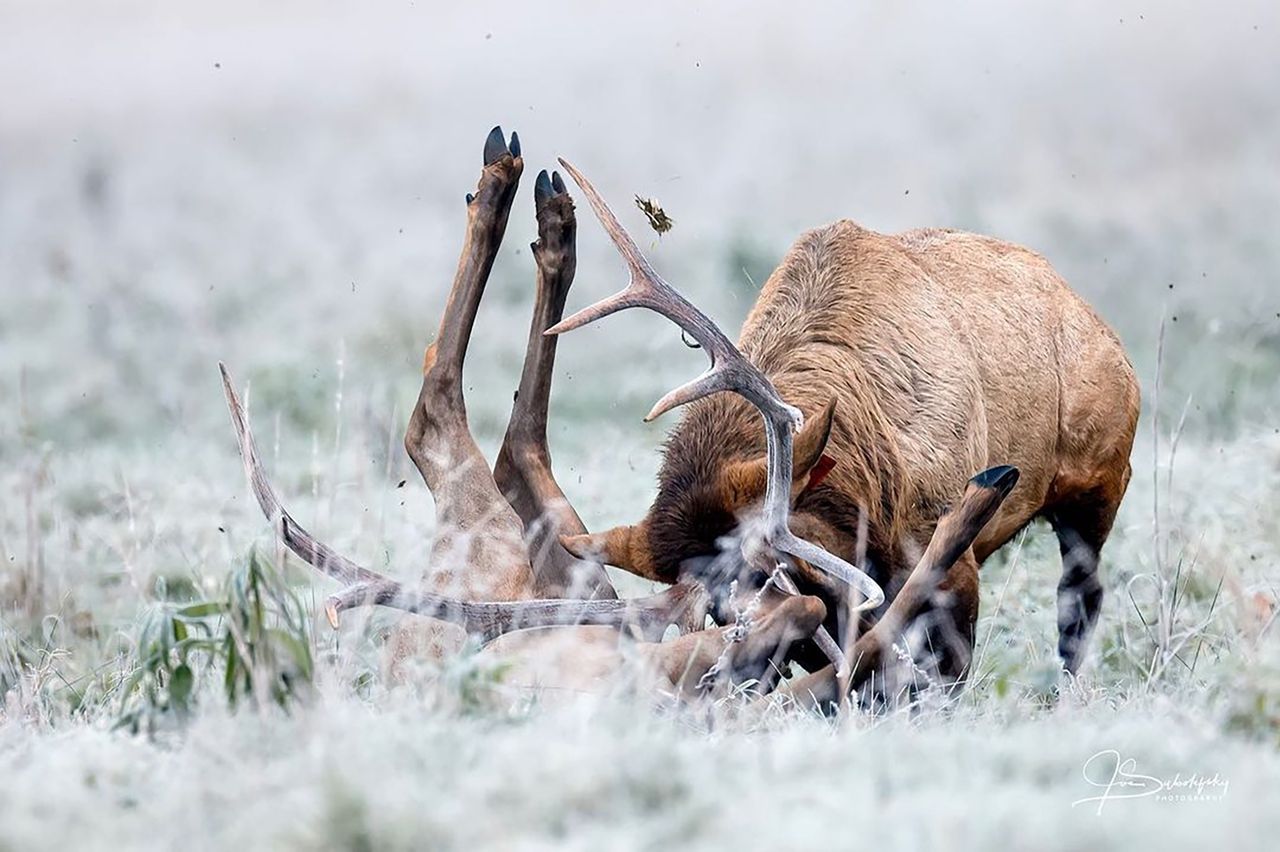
(658, 218)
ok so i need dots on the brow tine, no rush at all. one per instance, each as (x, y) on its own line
(617, 302)
(870, 590)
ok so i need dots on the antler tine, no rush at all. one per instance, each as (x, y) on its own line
(643, 276)
(301, 542)
(872, 594)
(729, 371)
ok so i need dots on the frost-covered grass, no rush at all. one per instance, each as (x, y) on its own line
(282, 190)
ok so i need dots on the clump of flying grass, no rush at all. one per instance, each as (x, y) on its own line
(658, 218)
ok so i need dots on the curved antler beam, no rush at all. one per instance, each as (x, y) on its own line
(729, 371)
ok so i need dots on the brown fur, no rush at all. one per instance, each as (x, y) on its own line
(945, 353)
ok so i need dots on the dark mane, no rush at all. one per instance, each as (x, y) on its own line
(792, 336)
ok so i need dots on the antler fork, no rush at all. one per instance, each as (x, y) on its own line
(729, 371)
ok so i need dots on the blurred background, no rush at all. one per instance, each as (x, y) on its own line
(281, 187)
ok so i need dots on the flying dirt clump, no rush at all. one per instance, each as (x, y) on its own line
(658, 218)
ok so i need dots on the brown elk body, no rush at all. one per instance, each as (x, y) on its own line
(943, 353)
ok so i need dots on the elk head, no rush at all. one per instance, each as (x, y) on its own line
(691, 518)
(684, 520)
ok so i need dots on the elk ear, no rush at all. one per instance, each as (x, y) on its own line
(819, 471)
(626, 547)
(811, 464)
(744, 482)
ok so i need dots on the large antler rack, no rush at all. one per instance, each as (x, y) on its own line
(729, 371)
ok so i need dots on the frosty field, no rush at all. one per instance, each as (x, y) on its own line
(283, 190)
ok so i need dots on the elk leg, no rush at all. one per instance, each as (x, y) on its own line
(523, 468)
(476, 525)
(943, 632)
(953, 634)
(1082, 526)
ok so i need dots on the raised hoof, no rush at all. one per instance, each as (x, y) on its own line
(1001, 478)
(495, 147)
(542, 191)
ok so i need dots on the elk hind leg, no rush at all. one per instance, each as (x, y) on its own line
(523, 468)
(479, 551)
(1082, 523)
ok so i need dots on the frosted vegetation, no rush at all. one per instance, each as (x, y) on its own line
(283, 190)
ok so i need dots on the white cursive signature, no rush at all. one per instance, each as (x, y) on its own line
(1118, 778)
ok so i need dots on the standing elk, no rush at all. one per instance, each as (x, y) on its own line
(917, 359)
(499, 565)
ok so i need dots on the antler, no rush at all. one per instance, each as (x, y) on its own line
(486, 620)
(955, 533)
(470, 506)
(729, 371)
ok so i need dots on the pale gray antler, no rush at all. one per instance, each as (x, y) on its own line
(486, 620)
(729, 371)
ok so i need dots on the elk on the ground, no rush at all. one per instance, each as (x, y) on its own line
(498, 569)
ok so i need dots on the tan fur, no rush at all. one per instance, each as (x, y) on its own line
(948, 352)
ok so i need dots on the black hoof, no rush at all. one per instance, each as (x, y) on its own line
(1001, 478)
(494, 147)
(542, 191)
